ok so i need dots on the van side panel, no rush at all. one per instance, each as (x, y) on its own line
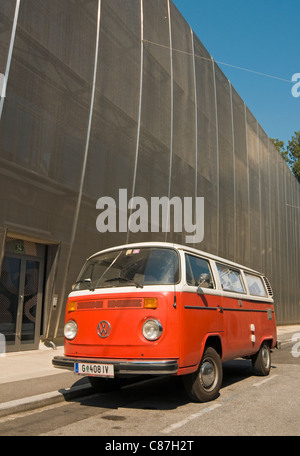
(241, 325)
(246, 324)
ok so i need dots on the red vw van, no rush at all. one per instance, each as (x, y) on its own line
(159, 308)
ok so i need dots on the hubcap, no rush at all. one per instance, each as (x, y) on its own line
(266, 357)
(208, 374)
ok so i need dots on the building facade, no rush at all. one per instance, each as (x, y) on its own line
(103, 95)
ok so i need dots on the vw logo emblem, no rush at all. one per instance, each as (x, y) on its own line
(103, 329)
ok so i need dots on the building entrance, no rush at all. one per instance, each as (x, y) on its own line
(21, 295)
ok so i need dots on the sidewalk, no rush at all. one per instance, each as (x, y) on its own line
(28, 380)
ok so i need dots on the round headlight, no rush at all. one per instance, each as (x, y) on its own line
(70, 330)
(152, 329)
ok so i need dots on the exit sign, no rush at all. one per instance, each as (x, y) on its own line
(19, 248)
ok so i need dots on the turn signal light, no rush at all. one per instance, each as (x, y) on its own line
(150, 303)
(72, 306)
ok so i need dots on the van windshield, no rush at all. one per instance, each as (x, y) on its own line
(130, 267)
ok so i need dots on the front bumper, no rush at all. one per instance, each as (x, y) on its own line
(121, 367)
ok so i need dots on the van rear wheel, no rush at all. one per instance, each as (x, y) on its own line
(261, 362)
(204, 384)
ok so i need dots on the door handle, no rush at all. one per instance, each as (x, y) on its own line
(21, 302)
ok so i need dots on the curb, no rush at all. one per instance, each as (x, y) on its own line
(42, 400)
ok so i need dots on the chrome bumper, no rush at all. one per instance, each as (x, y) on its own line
(121, 367)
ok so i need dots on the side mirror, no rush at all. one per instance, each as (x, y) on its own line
(205, 281)
(76, 285)
(199, 290)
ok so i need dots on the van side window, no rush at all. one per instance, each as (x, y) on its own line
(198, 272)
(255, 284)
(230, 279)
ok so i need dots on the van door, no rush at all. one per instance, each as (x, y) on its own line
(236, 310)
(202, 308)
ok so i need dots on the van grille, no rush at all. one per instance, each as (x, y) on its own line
(110, 304)
(85, 305)
(268, 286)
(117, 303)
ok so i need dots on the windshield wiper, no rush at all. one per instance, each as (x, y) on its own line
(124, 279)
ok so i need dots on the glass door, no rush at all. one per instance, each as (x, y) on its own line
(21, 286)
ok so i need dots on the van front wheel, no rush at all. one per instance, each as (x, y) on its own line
(204, 384)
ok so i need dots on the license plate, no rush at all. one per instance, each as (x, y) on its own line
(97, 370)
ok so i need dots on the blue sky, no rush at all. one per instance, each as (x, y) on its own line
(261, 35)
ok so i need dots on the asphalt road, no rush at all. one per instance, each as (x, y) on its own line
(247, 406)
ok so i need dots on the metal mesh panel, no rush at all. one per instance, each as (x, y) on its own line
(114, 127)
(184, 138)
(6, 22)
(275, 272)
(265, 233)
(156, 94)
(112, 146)
(284, 292)
(254, 191)
(290, 242)
(48, 52)
(296, 248)
(207, 159)
(184, 122)
(152, 172)
(226, 167)
(242, 244)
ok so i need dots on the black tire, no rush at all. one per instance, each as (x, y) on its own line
(261, 362)
(106, 385)
(204, 384)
